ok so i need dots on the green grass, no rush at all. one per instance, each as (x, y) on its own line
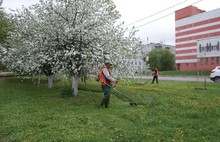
(170, 111)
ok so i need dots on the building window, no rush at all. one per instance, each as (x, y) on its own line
(212, 60)
(194, 64)
(206, 61)
(217, 60)
(139, 63)
(201, 61)
(178, 67)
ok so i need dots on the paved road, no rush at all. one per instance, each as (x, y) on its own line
(178, 78)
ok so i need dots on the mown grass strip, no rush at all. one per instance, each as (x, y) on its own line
(171, 111)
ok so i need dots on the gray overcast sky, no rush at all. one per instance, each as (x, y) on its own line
(162, 30)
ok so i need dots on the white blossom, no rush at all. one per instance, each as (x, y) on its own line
(70, 36)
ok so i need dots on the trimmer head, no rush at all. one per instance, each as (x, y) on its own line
(133, 104)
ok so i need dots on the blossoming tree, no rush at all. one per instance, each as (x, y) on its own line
(70, 36)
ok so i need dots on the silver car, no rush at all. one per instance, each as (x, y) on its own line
(215, 74)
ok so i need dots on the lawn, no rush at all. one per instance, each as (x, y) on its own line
(169, 111)
(186, 73)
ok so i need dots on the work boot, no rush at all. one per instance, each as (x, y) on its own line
(106, 103)
(102, 104)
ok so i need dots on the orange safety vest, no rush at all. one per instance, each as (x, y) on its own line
(156, 73)
(103, 79)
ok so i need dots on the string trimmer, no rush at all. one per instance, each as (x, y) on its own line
(131, 101)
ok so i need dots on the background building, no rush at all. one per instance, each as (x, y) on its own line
(197, 39)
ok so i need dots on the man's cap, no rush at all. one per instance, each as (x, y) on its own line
(108, 62)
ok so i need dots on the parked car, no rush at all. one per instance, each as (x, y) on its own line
(215, 74)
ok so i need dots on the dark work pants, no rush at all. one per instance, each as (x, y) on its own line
(155, 77)
(106, 98)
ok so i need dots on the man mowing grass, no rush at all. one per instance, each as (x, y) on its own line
(106, 82)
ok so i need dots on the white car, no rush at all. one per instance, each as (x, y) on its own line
(215, 74)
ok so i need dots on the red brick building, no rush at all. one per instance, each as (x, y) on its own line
(197, 39)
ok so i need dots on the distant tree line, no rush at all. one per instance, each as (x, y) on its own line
(163, 59)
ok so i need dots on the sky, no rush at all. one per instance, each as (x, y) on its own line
(154, 19)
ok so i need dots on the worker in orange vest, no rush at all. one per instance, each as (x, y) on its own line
(106, 83)
(155, 74)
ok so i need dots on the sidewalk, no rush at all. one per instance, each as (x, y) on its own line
(177, 78)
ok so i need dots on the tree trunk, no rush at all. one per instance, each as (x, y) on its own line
(33, 78)
(39, 78)
(75, 85)
(50, 81)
